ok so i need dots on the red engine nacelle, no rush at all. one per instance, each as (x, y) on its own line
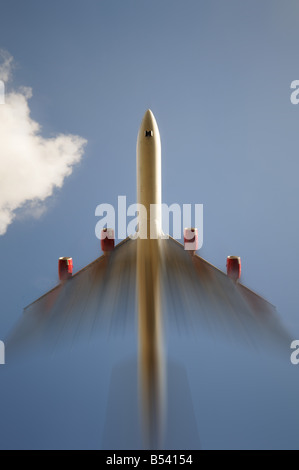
(65, 268)
(191, 239)
(107, 240)
(233, 266)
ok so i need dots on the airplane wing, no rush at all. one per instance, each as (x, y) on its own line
(199, 294)
(195, 294)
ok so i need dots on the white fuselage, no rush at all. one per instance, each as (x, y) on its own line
(150, 338)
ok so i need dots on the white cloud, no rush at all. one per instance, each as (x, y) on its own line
(31, 166)
(5, 66)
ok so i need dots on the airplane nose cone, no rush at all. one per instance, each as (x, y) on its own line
(149, 127)
(148, 115)
(148, 120)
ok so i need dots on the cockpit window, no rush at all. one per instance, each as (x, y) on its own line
(149, 133)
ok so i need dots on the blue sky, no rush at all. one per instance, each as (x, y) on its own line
(216, 75)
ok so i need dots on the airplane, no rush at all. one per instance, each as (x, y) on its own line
(161, 271)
